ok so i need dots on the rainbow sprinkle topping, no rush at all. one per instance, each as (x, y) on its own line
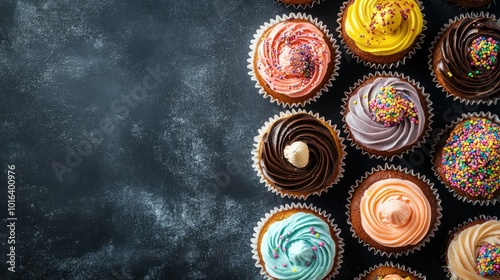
(488, 260)
(390, 107)
(471, 159)
(483, 54)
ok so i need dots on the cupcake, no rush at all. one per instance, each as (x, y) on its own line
(470, 3)
(381, 33)
(473, 250)
(467, 158)
(386, 115)
(293, 59)
(393, 211)
(298, 3)
(464, 58)
(297, 241)
(389, 271)
(298, 153)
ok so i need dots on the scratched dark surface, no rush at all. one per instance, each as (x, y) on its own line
(130, 124)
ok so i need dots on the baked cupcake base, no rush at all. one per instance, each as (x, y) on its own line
(391, 172)
(437, 153)
(280, 214)
(388, 268)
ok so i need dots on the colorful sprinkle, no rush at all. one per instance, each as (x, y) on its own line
(488, 260)
(294, 270)
(321, 244)
(483, 54)
(449, 74)
(390, 107)
(317, 234)
(314, 248)
(284, 265)
(471, 158)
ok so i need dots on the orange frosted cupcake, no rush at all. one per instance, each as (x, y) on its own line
(293, 59)
(393, 211)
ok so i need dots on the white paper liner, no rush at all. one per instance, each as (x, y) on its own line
(439, 139)
(492, 100)
(426, 132)
(338, 240)
(433, 228)
(390, 264)
(453, 231)
(335, 57)
(301, 6)
(418, 42)
(256, 154)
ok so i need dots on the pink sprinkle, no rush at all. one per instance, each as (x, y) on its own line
(314, 248)
(321, 244)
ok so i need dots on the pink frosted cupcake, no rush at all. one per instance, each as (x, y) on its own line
(293, 59)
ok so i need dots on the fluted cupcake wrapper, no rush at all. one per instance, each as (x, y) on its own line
(298, 206)
(439, 139)
(390, 264)
(418, 43)
(427, 107)
(489, 101)
(432, 229)
(299, 6)
(335, 57)
(256, 154)
(455, 230)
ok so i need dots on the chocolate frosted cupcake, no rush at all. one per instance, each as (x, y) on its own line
(393, 211)
(293, 59)
(464, 58)
(386, 114)
(297, 241)
(389, 271)
(473, 250)
(467, 158)
(381, 33)
(298, 154)
(470, 3)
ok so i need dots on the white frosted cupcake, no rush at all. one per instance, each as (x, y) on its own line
(473, 250)
(293, 59)
(298, 153)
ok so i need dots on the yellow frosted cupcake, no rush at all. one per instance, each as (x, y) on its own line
(381, 33)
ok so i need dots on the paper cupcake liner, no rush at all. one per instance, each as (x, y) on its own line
(452, 232)
(256, 154)
(432, 230)
(390, 264)
(489, 101)
(298, 206)
(299, 6)
(336, 54)
(439, 139)
(426, 132)
(418, 43)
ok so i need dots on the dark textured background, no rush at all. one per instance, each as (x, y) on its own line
(163, 186)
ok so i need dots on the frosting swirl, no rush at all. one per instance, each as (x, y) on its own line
(298, 247)
(395, 213)
(373, 134)
(383, 27)
(321, 168)
(454, 67)
(293, 58)
(464, 247)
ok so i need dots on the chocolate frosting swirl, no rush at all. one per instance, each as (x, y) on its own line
(323, 154)
(454, 66)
